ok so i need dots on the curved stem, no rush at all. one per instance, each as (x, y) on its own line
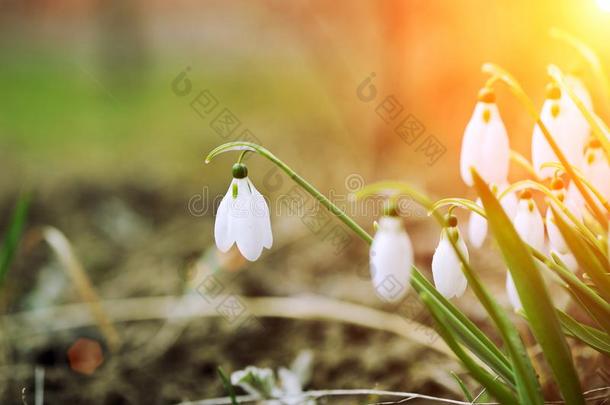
(586, 182)
(523, 98)
(252, 147)
(458, 202)
(523, 162)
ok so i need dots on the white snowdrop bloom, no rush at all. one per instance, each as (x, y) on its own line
(511, 291)
(530, 227)
(477, 227)
(556, 117)
(243, 217)
(528, 221)
(485, 143)
(447, 273)
(391, 258)
(596, 169)
(556, 241)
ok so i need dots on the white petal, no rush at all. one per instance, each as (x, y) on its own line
(485, 146)
(511, 291)
(541, 150)
(597, 171)
(495, 151)
(243, 223)
(555, 238)
(222, 234)
(391, 258)
(509, 202)
(448, 277)
(477, 228)
(569, 260)
(529, 225)
(261, 212)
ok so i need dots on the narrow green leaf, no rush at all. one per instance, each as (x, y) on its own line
(589, 335)
(533, 294)
(525, 375)
(228, 386)
(470, 335)
(585, 256)
(463, 387)
(495, 387)
(13, 235)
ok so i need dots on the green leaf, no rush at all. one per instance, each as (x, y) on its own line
(228, 386)
(463, 387)
(525, 375)
(533, 294)
(13, 235)
(495, 387)
(593, 337)
(470, 335)
(585, 255)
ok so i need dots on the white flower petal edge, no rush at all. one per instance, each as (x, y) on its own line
(485, 145)
(446, 267)
(513, 296)
(391, 258)
(556, 240)
(244, 220)
(477, 227)
(529, 225)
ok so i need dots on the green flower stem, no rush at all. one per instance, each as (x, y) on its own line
(523, 162)
(459, 202)
(477, 339)
(523, 98)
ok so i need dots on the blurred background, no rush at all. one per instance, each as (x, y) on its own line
(108, 108)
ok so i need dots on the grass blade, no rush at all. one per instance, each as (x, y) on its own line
(228, 386)
(533, 294)
(585, 256)
(496, 388)
(591, 336)
(470, 335)
(463, 387)
(13, 235)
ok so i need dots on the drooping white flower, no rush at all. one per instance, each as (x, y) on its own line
(530, 227)
(596, 169)
(477, 225)
(528, 221)
(243, 217)
(556, 240)
(391, 258)
(580, 127)
(446, 265)
(560, 119)
(485, 143)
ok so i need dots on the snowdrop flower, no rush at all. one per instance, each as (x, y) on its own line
(446, 265)
(530, 227)
(485, 143)
(556, 240)
(243, 217)
(391, 258)
(477, 225)
(560, 121)
(596, 169)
